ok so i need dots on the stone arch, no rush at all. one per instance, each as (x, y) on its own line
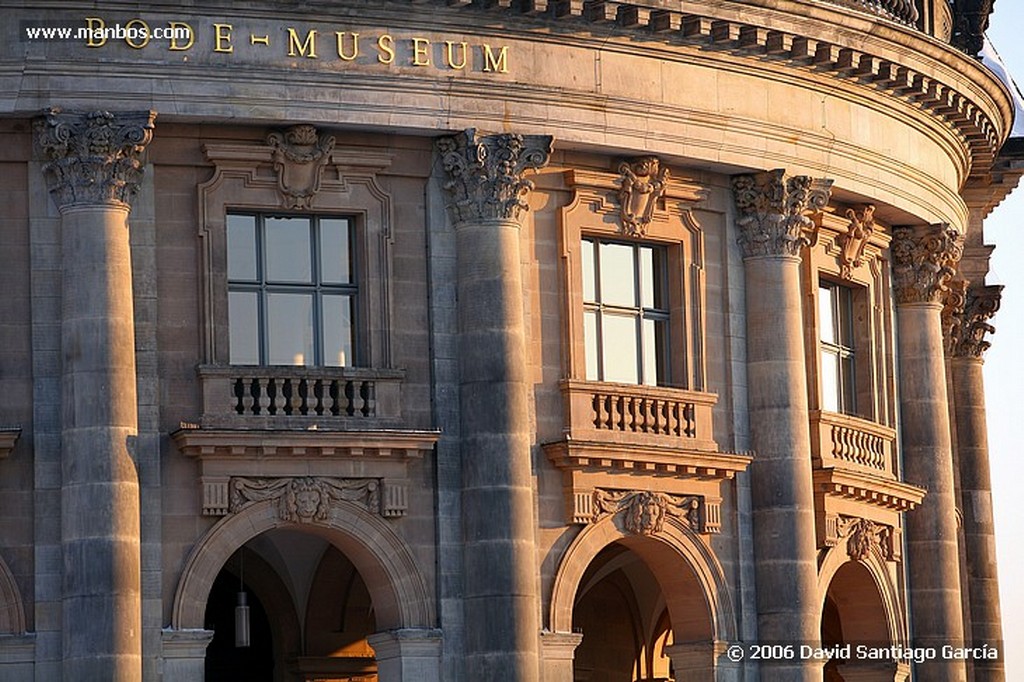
(12, 611)
(399, 593)
(877, 568)
(662, 552)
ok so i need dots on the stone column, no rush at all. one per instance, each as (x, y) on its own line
(93, 172)
(966, 345)
(484, 190)
(775, 222)
(923, 260)
(407, 655)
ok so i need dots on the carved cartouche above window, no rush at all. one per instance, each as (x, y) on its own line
(967, 332)
(852, 244)
(778, 213)
(644, 512)
(93, 158)
(300, 154)
(924, 259)
(643, 184)
(484, 173)
(306, 499)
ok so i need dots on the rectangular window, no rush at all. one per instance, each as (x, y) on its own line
(626, 312)
(291, 290)
(838, 367)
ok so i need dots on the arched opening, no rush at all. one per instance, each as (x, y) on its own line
(854, 613)
(628, 625)
(310, 613)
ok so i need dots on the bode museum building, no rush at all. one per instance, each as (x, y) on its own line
(498, 340)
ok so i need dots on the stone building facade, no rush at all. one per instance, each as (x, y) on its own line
(533, 340)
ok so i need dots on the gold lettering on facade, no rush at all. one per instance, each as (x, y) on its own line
(386, 45)
(420, 52)
(341, 46)
(449, 54)
(174, 44)
(492, 63)
(295, 48)
(259, 40)
(136, 34)
(222, 38)
(96, 37)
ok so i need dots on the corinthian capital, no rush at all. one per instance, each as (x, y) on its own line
(968, 325)
(778, 212)
(924, 259)
(93, 157)
(485, 173)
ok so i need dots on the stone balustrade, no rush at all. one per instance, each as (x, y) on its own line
(844, 441)
(901, 11)
(247, 394)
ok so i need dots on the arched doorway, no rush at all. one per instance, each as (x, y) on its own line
(310, 613)
(650, 607)
(854, 613)
(343, 595)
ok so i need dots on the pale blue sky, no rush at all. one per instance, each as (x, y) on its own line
(1004, 369)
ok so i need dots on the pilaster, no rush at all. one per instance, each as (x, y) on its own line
(778, 216)
(93, 169)
(924, 260)
(485, 191)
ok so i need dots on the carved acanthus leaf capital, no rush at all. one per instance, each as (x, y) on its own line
(304, 499)
(968, 326)
(300, 154)
(485, 173)
(853, 242)
(642, 185)
(93, 158)
(778, 214)
(924, 260)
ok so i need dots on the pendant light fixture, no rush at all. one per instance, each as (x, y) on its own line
(241, 608)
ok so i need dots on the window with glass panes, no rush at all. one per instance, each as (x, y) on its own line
(291, 290)
(838, 369)
(625, 312)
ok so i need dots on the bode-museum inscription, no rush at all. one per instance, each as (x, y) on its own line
(366, 48)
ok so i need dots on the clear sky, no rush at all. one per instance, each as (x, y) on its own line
(1004, 368)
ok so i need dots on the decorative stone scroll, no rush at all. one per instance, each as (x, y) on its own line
(485, 173)
(852, 243)
(93, 158)
(643, 184)
(305, 499)
(864, 537)
(924, 259)
(779, 214)
(969, 324)
(644, 512)
(300, 154)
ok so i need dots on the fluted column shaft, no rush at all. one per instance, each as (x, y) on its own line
(485, 189)
(93, 171)
(774, 225)
(923, 260)
(967, 346)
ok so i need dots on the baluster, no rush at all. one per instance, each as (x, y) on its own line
(248, 396)
(238, 393)
(262, 395)
(369, 394)
(291, 394)
(318, 397)
(341, 398)
(597, 403)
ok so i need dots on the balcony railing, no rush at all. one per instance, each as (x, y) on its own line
(298, 396)
(848, 442)
(901, 11)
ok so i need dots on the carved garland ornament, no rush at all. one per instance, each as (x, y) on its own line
(853, 242)
(306, 499)
(923, 262)
(300, 154)
(966, 336)
(644, 512)
(485, 173)
(93, 158)
(643, 184)
(779, 214)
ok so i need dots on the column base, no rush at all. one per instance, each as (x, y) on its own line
(557, 652)
(408, 655)
(184, 653)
